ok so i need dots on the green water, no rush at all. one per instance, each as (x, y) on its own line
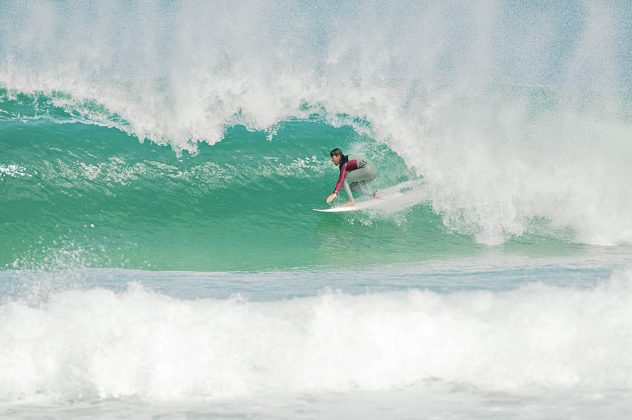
(84, 195)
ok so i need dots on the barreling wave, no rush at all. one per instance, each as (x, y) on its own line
(505, 137)
(93, 196)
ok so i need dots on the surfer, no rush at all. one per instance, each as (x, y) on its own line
(355, 172)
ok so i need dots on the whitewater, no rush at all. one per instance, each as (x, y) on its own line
(159, 256)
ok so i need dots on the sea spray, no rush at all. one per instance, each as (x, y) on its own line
(95, 343)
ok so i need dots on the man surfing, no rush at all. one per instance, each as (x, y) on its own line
(356, 171)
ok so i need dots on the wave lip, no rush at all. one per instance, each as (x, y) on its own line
(87, 344)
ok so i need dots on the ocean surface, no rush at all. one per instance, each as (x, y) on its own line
(160, 258)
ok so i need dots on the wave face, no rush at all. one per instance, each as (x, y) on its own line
(77, 195)
(518, 117)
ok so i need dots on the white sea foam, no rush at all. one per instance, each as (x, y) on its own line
(87, 344)
(435, 81)
(12, 170)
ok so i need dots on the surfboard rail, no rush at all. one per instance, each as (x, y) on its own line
(384, 196)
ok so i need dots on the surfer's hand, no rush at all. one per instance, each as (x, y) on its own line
(331, 198)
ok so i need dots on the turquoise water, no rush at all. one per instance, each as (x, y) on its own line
(98, 197)
(159, 255)
(84, 195)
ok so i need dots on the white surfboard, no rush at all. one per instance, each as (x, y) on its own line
(362, 205)
(386, 198)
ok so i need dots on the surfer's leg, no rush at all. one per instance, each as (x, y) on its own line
(359, 187)
(360, 178)
(366, 174)
(345, 184)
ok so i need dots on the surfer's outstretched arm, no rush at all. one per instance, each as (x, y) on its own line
(345, 184)
(341, 181)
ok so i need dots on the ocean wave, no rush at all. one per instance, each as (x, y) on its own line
(91, 344)
(502, 135)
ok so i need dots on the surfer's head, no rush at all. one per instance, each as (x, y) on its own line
(336, 156)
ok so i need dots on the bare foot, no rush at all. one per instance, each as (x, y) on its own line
(349, 203)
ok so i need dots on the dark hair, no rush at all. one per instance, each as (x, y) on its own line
(336, 152)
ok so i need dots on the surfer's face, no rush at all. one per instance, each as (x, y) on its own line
(336, 159)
